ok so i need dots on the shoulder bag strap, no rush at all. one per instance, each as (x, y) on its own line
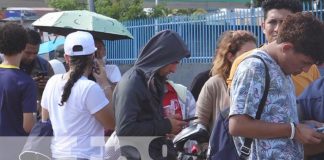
(246, 148)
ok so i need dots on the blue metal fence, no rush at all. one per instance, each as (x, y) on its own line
(200, 32)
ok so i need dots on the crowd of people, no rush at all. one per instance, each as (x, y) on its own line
(88, 98)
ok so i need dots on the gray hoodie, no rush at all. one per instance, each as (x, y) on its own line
(137, 99)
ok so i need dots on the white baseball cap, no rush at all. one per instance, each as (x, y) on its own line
(79, 43)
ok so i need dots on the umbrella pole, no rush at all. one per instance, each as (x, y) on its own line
(91, 6)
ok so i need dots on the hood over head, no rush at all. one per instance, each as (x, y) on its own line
(164, 48)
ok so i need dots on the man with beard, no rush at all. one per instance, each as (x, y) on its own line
(35, 66)
(138, 96)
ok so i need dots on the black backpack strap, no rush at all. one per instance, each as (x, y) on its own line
(246, 148)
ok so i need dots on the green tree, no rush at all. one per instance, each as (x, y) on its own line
(199, 11)
(121, 9)
(160, 11)
(67, 4)
(118, 9)
(188, 11)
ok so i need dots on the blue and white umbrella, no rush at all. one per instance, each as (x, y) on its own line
(49, 46)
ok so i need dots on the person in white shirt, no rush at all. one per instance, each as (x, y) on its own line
(78, 107)
(58, 66)
(112, 71)
(58, 63)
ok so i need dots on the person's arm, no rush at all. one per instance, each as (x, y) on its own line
(108, 89)
(177, 124)
(245, 126)
(135, 115)
(28, 122)
(204, 106)
(106, 117)
(29, 106)
(41, 80)
(45, 114)
(246, 93)
(102, 80)
(313, 149)
(98, 105)
(130, 108)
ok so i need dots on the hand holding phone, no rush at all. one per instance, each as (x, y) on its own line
(320, 129)
(41, 74)
(95, 67)
(190, 119)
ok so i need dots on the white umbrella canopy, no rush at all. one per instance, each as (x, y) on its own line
(98, 25)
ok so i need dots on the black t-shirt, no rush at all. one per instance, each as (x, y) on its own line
(198, 82)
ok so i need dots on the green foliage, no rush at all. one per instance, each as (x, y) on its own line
(257, 3)
(188, 11)
(159, 11)
(67, 4)
(199, 11)
(122, 9)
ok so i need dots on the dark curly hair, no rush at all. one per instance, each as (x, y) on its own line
(79, 65)
(34, 37)
(292, 5)
(13, 38)
(306, 33)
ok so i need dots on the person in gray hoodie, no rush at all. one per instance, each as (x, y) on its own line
(138, 96)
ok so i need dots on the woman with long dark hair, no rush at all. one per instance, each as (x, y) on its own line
(78, 107)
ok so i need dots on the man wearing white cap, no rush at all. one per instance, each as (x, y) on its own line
(78, 107)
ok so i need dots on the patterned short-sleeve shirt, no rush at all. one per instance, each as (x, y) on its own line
(246, 92)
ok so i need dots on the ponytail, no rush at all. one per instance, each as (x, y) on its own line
(79, 64)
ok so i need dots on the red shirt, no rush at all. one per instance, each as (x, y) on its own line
(171, 105)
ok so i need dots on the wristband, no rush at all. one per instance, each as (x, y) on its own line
(293, 130)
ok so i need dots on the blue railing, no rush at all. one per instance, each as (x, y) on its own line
(200, 32)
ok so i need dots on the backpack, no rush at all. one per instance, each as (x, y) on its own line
(221, 144)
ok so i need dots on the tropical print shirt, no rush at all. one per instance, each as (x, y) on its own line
(246, 92)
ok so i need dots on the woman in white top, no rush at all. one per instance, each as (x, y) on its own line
(77, 107)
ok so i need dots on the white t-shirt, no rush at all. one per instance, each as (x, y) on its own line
(76, 131)
(113, 73)
(57, 66)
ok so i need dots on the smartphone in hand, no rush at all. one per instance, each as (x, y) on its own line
(320, 129)
(95, 67)
(40, 74)
(190, 119)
